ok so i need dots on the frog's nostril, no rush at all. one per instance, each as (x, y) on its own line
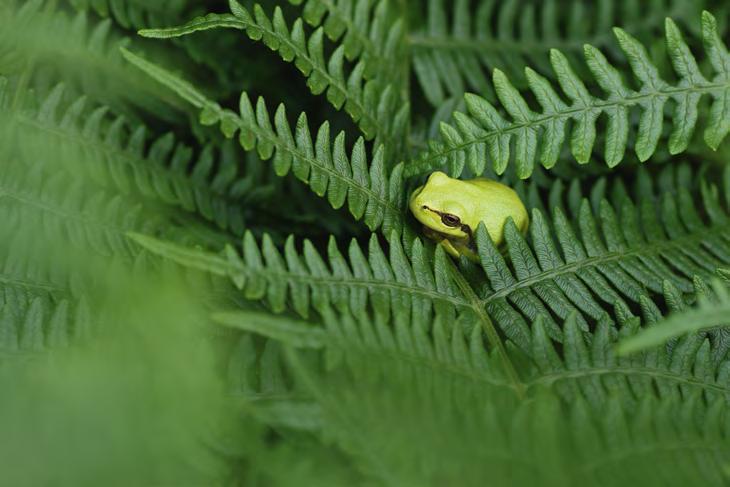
(424, 207)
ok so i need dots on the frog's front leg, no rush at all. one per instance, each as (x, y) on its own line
(450, 247)
(462, 248)
(458, 248)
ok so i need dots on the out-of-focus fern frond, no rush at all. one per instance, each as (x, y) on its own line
(462, 41)
(87, 58)
(120, 155)
(134, 13)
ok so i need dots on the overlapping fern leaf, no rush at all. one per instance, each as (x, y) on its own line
(585, 368)
(514, 132)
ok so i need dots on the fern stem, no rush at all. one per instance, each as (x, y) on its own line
(491, 331)
(548, 379)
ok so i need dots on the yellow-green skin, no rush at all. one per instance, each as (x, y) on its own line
(472, 201)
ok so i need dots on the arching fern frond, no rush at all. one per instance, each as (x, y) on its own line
(585, 368)
(464, 40)
(485, 134)
(371, 106)
(396, 416)
(370, 192)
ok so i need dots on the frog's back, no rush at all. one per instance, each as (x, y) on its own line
(495, 203)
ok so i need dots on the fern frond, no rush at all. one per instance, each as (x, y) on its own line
(120, 156)
(369, 106)
(133, 13)
(618, 258)
(88, 58)
(371, 194)
(484, 133)
(365, 28)
(393, 419)
(62, 209)
(307, 280)
(585, 367)
(707, 313)
(42, 305)
(461, 41)
(588, 366)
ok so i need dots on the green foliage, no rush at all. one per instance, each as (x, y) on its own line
(485, 134)
(88, 58)
(370, 194)
(133, 13)
(461, 40)
(621, 257)
(707, 314)
(370, 104)
(188, 313)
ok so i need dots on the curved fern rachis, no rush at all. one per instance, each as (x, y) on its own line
(451, 209)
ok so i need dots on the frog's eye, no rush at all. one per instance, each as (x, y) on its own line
(450, 220)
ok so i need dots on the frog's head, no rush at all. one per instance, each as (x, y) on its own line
(438, 206)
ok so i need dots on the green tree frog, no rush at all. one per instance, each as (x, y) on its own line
(451, 209)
